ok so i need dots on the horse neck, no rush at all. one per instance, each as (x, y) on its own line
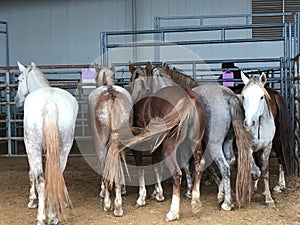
(138, 90)
(35, 80)
(182, 79)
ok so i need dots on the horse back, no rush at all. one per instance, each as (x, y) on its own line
(37, 100)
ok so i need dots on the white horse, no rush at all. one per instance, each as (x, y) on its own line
(110, 108)
(259, 122)
(49, 123)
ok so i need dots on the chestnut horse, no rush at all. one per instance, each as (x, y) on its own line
(170, 118)
(110, 109)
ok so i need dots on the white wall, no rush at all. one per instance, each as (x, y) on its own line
(61, 31)
(67, 31)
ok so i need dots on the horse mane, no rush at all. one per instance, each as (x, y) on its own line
(179, 78)
(36, 79)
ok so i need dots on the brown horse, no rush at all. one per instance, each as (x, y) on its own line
(110, 109)
(170, 118)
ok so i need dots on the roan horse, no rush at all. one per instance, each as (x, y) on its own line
(49, 123)
(259, 122)
(170, 116)
(224, 121)
(110, 108)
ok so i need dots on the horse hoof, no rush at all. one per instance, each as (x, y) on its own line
(196, 207)
(108, 209)
(137, 205)
(118, 212)
(53, 221)
(172, 216)
(32, 205)
(188, 195)
(226, 207)
(270, 204)
(159, 198)
(276, 190)
(220, 198)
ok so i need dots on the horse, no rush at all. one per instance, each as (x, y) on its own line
(109, 109)
(260, 124)
(49, 122)
(170, 116)
(283, 140)
(224, 118)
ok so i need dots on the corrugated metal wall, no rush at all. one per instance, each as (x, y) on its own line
(67, 31)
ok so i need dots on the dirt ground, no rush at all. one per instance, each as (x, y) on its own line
(83, 186)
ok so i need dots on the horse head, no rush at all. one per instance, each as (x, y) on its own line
(22, 86)
(255, 99)
(30, 79)
(104, 76)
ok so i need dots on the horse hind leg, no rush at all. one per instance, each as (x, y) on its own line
(32, 204)
(225, 172)
(189, 182)
(107, 200)
(118, 211)
(141, 201)
(52, 217)
(158, 169)
(281, 181)
(41, 216)
(172, 165)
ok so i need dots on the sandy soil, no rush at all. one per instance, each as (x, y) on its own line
(83, 186)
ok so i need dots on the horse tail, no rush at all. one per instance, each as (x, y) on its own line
(157, 130)
(243, 181)
(285, 131)
(113, 169)
(56, 191)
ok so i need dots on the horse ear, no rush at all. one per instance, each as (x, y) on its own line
(165, 65)
(131, 67)
(33, 64)
(97, 68)
(104, 80)
(149, 67)
(244, 78)
(112, 68)
(263, 78)
(21, 67)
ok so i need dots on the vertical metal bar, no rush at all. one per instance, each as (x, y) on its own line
(291, 94)
(194, 70)
(8, 115)
(223, 34)
(101, 47)
(285, 63)
(281, 75)
(7, 47)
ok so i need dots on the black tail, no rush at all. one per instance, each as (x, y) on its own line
(283, 142)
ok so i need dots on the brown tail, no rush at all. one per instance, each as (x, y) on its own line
(285, 130)
(156, 131)
(56, 190)
(243, 181)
